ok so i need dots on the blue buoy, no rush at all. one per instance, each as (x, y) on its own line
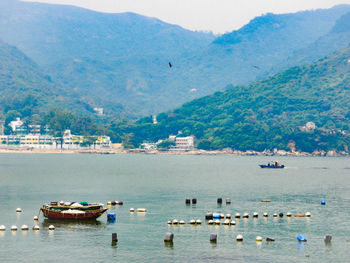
(111, 217)
(301, 238)
(323, 202)
(216, 215)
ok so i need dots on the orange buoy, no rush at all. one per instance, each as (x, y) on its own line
(299, 215)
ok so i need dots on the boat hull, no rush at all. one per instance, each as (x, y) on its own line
(271, 166)
(77, 216)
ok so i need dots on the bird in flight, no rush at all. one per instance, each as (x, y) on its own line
(256, 67)
(170, 65)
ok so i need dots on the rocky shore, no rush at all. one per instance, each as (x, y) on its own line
(275, 152)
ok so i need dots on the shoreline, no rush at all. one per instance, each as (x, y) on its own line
(190, 152)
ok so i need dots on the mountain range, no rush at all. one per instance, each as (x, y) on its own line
(120, 61)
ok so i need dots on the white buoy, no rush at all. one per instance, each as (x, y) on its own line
(245, 215)
(226, 222)
(228, 216)
(24, 227)
(175, 222)
(36, 218)
(132, 209)
(217, 222)
(275, 215)
(289, 214)
(210, 222)
(258, 239)
(239, 238)
(232, 223)
(18, 210)
(255, 214)
(182, 222)
(51, 227)
(2, 228)
(266, 214)
(109, 203)
(237, 215)
(222, 215)
(307, 214)
(36, 227)
(169, 222)
(14, 228)
(192, 221)
(141, 210)
(198, 222)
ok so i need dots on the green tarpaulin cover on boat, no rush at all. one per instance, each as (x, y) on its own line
(84, 203)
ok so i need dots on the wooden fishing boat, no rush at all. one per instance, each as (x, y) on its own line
(72, 211)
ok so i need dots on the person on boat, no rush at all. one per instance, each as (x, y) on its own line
(276, 164)
(268, 164)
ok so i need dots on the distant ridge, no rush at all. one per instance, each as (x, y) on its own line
(120, 61)
(337, 38)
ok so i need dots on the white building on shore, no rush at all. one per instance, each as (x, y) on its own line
(182, 143)
(69, 141)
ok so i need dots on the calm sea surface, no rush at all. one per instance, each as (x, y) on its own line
(161, 184)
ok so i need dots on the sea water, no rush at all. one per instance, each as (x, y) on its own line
(161, 183)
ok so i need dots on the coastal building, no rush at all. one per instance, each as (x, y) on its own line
(34, 129)
(102, 141)
(308, 127)
(18, 126)
(172, 138)
(69, 141)
(182, 143)
(149, 146)
(99, 111)
(20, 140)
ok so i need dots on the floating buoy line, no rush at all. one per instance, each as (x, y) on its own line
(215, 218)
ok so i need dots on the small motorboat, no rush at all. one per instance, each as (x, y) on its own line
(274, 165)
(74, 210)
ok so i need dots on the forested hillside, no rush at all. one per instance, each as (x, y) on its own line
(28, 93)
(23, 86)
(267, 114)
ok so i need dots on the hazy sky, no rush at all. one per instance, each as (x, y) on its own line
(218, 16)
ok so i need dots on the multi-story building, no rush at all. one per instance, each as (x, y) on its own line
(182, 143)
(34, 129)
(34, 139)
(16, 124)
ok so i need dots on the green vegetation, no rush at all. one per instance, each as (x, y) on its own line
(166, 144)
(266, 114)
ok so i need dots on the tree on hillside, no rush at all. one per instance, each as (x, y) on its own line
(59, 120)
